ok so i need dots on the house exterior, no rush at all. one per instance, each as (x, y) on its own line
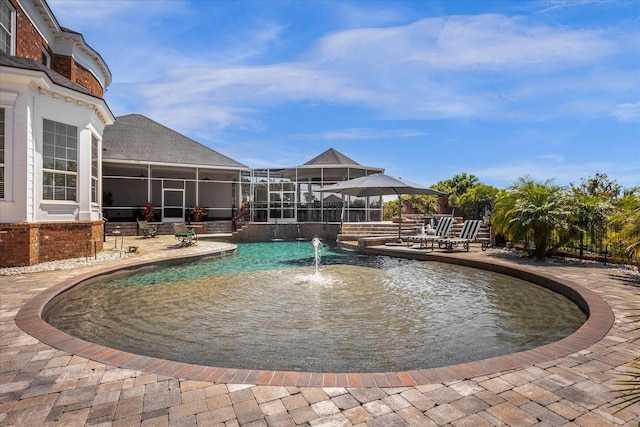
(52, 118)
(146, 164)
(68, 166)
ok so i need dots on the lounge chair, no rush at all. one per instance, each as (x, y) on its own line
(468, 234)
(148, 230)
(443, 229)
(187, 236)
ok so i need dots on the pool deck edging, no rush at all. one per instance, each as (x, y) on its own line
(600, 320)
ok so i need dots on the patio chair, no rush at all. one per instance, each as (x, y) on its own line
(443, 229)
(468, 234)
(187, 236)
(148, 230)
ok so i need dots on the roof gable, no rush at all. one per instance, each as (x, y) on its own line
(331, 157)
(136, 137)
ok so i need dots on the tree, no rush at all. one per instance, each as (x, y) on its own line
(425, 204)
(476, 199)
(390, 209)
(534, 210)
(599, 186)
(594, 197)
(626, 225)
(457, 186)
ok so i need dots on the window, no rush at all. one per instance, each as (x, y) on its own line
(94, 169)
(59, 161)
(2, 137)
(7, 27)
(46, 59)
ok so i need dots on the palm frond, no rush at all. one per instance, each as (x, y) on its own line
(629, 394)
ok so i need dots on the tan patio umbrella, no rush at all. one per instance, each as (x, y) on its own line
(381, 185)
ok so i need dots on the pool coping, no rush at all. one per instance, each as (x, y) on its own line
(599, 321)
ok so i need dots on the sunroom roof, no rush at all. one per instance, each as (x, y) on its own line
(135, 137)
(331, 157)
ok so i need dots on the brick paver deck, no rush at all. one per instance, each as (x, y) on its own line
(50, 379)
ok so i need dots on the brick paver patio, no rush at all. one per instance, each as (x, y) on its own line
(76, 383)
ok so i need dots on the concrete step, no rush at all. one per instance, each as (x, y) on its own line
(352, 231)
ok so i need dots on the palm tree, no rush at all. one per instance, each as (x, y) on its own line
(529, 209)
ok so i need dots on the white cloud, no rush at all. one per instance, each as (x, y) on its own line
(479, 66)
(556, 158)
(103, 13)
(628, 112)
(486, 42)
(367, 134)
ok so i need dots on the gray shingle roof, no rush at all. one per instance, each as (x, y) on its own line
(136, 137)
(30, 64)
(331, 157)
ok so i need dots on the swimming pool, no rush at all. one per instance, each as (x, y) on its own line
(265, 308)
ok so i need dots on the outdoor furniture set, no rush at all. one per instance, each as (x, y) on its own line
(442, 235)
(185, 234)
(148, 230)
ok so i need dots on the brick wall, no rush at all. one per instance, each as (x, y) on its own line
(84, 78)
(18, 244)
(28, 244)
(29, 44)
(63, 65)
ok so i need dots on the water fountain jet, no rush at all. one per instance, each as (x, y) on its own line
(299, 238)
(317, 246)
(274, 227)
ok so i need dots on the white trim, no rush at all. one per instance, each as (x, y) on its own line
(46, 55)
(164, 205)
(30, 10)
(13, 31)
(42, 18)
(175, 165)
(7, 101)
(45, 86)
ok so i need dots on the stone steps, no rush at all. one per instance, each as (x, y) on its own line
(352, 231)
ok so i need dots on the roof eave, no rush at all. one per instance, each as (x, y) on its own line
(106, 159)
(46, 86)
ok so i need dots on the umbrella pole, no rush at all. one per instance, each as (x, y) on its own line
(399, 218)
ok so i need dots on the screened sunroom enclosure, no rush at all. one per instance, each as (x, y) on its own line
(173, 191)
(177, 192)
(266, 195)
(295, 195)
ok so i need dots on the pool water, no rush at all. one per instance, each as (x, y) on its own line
(266, 308)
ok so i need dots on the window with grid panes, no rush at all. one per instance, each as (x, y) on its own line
(7, 30)
(59, 161)
(2, 139)
(94, 169)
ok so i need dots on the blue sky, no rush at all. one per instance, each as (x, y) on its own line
(426, 90)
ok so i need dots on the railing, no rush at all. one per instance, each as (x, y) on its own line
(588, 246)
(134, 213)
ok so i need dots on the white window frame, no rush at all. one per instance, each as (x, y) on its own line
(10, 31)
(95, 169)
(46, 58)
(3, 149)
(57, 172)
